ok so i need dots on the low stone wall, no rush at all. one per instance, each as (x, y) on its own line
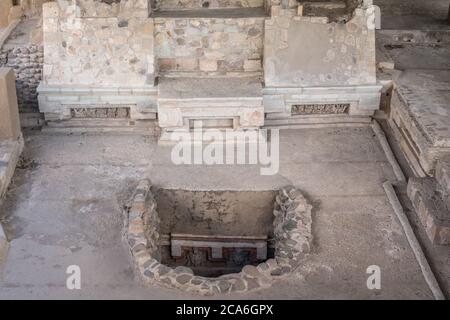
(97, 55)
(293, 238)
(197, 4)
(11, 141)
(209, 46)
(27, 62)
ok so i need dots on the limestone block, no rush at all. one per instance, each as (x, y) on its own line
(3, 245)
(9, 110)
(15, 13)
(5, 6)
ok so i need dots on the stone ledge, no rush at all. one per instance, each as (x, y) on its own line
(53, 89)
(57, 101)
(292, 236)
(363, 99)
(184, 99)
(432, 205)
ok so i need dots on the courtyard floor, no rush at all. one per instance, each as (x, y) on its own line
(64, 207)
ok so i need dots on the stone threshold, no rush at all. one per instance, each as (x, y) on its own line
(99, 126)
(212, 13)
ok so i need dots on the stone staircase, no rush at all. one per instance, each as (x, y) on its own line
(209, 59)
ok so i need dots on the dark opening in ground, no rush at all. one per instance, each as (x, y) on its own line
(215, 232)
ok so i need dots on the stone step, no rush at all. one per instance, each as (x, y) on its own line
(419, 117)
(9, 156)
(183, 99)
(432, 205)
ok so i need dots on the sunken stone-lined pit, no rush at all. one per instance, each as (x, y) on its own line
(292, 240)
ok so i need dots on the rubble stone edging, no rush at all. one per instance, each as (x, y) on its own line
(292, 235)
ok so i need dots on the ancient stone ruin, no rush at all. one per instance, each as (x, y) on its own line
(231, 148)
(221, 266)
(244, 63)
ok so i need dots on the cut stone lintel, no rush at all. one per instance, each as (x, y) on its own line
(184, 99)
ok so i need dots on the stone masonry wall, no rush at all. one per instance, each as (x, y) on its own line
(343, 54)
(5, 6)
(112, 49)
(27, 62)
(196, 4)
(293, 237)
(209, 45)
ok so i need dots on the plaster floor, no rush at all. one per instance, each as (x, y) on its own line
(64, 207)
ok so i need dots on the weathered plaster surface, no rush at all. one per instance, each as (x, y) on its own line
(308, 51)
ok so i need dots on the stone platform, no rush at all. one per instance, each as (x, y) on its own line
(419, 108)
(235, 102)
(420, 118)
(9, 156)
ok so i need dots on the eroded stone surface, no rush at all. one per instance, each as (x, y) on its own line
(292, 237)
